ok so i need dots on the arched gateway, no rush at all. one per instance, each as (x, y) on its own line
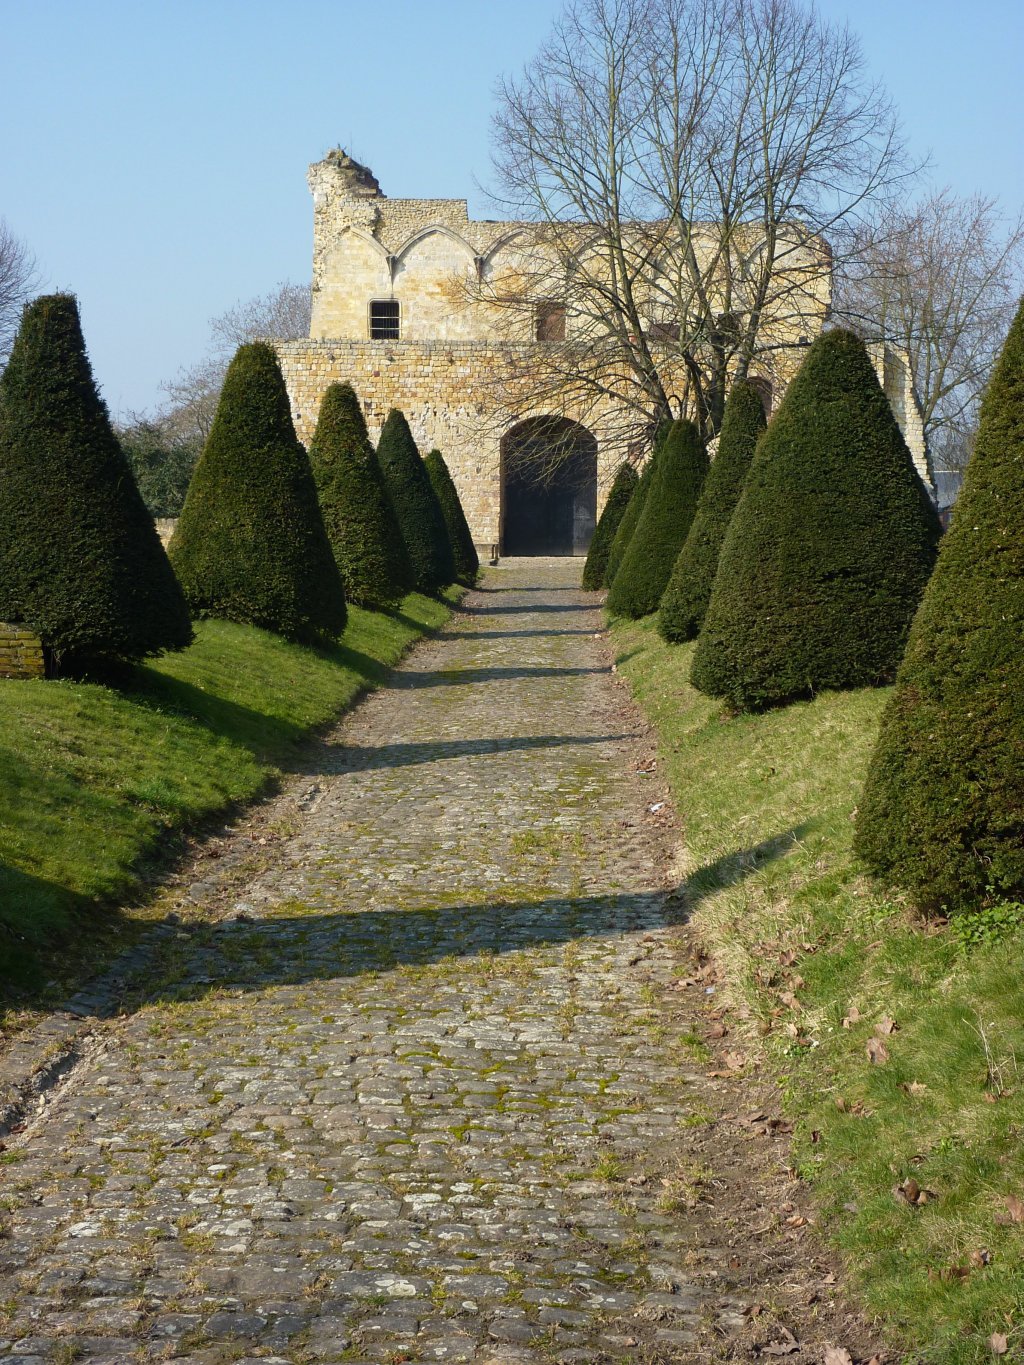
(548, 488)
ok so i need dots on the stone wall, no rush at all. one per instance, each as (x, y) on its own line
(21, 653)
(894, 375)
(454, 370)
(448, 392)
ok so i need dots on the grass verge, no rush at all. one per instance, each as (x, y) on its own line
(824, 970)
(98, 785)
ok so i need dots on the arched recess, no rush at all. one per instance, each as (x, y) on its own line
(548, 487)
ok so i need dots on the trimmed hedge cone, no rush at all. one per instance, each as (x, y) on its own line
(634, 508)
(682, 465)
(358, 516)
(250, 544)
(81, 563)
(942, 813)
(830, 547)
(622, 489)
(464, 555)
(416, 506)
(688, 592)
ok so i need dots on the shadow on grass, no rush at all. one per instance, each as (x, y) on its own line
(39, 919)
(736, 867)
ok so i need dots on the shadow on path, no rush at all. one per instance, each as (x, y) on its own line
(463, 677)
(527, 609)
(301, 942)
(399, 755)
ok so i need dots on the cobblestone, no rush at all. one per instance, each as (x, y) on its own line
(423, 1095)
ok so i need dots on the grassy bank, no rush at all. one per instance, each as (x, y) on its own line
(99, 784)
(824, 968)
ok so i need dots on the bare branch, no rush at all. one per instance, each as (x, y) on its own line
(19, 279)
(690, 169)
(939, 279)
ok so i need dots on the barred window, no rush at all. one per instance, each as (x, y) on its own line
(384, 320)
(550, 321)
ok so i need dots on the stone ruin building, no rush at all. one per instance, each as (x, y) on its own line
(399, 314)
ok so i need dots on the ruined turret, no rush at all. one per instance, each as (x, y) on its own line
(356, 178)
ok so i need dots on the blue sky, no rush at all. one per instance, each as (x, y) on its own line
(155, 151)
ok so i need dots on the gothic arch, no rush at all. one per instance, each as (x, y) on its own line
(548, 487)
(434, 229)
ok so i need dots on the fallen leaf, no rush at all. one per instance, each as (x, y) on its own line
(787, 1347)
(980, 1258)
(838, 1355)
(788, 998)
(852, 1018)
(910, 1192)
(787, 958)
(998, 1344)
(1015, 1208)
(840, 1104)
(717, 1031)
(796, 1220)
(950, 1273)
(886, 1026)
(735, 1061)
(878, 1053)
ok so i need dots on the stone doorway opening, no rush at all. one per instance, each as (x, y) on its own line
(548, 488)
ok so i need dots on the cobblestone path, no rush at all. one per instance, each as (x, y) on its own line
(422, 1094)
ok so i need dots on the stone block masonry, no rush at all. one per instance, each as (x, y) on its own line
(21, 652)
(448, 392)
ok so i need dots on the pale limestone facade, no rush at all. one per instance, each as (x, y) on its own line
(455, 360)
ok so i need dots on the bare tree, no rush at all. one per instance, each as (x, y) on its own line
(282, 314)
(941, 280)
(19, 278)
(689, 170)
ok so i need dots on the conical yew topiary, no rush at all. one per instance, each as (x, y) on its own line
(250, 545)
(634, 508)
(829, 549)
(688, 592)
(679, 474)
(467, 561)
(943, 809)
(80, 560)
(622, 489)
(360, 521)
(416, 506)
